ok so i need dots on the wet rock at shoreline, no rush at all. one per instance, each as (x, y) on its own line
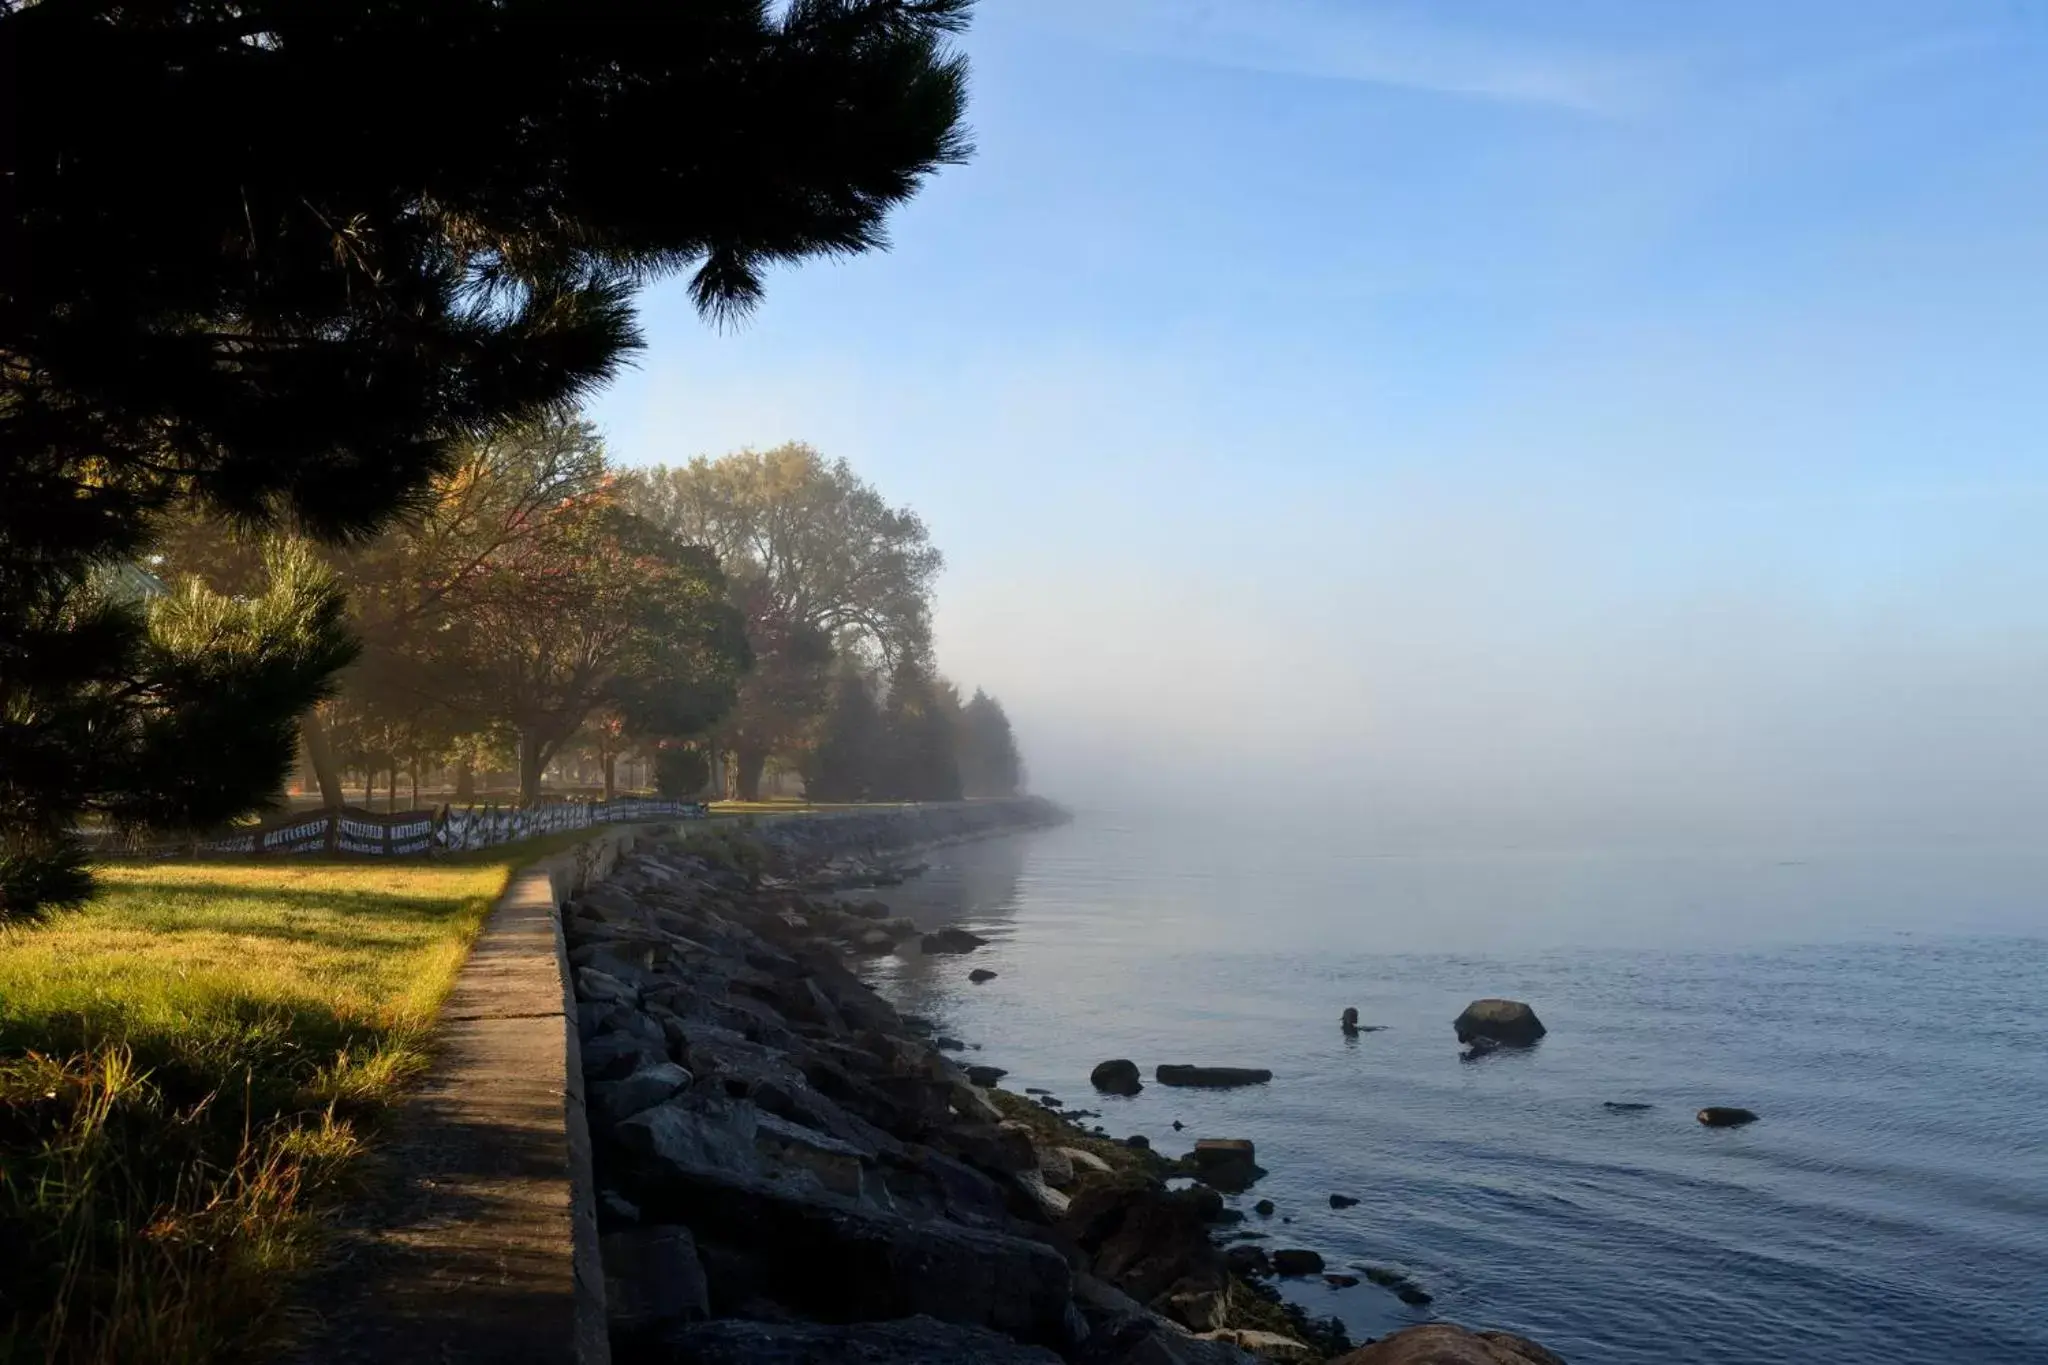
(1211, 1077)
(1248, 1260)
(952, 940)
(1297, 1261)
(1225, 1164)
(1264, 1208)
(1508, 1023)
(1341, 1281)
(982, 1075)
(1441, 1343)
(981, 974)
(1721, 1116)
(1116, 1077)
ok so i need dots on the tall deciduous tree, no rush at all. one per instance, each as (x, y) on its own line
(290, 305)
(608, 611)
(819, 562)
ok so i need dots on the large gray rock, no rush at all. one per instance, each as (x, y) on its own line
(644, 1089)
(594, 986)
(838, 1165)
(830, 1259)
(693, 1131)
(910, 1341)
(652, 1279)
(615, 1056)
(1510, 1023)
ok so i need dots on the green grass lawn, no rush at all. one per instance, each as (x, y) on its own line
(188, 1067)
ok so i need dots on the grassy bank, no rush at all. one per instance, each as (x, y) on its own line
(188, 1067)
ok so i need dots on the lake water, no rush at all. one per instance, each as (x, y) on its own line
(1885, 1011)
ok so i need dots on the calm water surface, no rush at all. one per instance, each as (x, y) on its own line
(1886, 1011)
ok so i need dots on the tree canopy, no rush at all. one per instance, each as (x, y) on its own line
(226, 282)
(821, 566)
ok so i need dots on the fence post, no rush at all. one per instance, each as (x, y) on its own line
(333, 837)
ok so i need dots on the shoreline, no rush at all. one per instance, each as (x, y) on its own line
(784, 1162)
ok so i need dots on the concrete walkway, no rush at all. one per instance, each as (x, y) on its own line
(480, 1240)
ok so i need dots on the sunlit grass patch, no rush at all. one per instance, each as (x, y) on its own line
(188, 1067)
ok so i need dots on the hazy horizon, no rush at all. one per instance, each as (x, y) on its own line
(1500, 424)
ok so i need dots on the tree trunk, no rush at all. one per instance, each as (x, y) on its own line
(611, 784)
(391, 791)
(465, 779)
(532, 759)
(747, 768)
(320, 753)
(412, 777)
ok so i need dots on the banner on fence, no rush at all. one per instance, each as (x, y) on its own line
(447, 830)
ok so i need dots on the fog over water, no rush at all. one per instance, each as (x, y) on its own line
(1533, 675)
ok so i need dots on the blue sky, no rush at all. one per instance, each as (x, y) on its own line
(1601, 407)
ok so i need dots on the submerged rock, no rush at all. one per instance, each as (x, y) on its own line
(1342, 1201)
(1720, 1116)
(1116, 1077)
(1264, 1208)
(1403, 1286)
(981, 974)
(952, 941)
(1507, 1022)
(1624, 1106)
(1441, 1343)
(1212, 1077)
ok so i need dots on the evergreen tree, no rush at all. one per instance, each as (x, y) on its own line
(175, 713)
(849, 761)
(286, 303)
(922, 725)
(989, 762)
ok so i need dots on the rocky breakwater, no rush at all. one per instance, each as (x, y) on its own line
(786, 1170)
(790, 1171)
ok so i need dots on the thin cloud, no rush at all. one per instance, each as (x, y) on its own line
(1329, 42)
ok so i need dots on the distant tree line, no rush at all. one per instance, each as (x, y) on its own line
(835, 587)
(707, 620)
